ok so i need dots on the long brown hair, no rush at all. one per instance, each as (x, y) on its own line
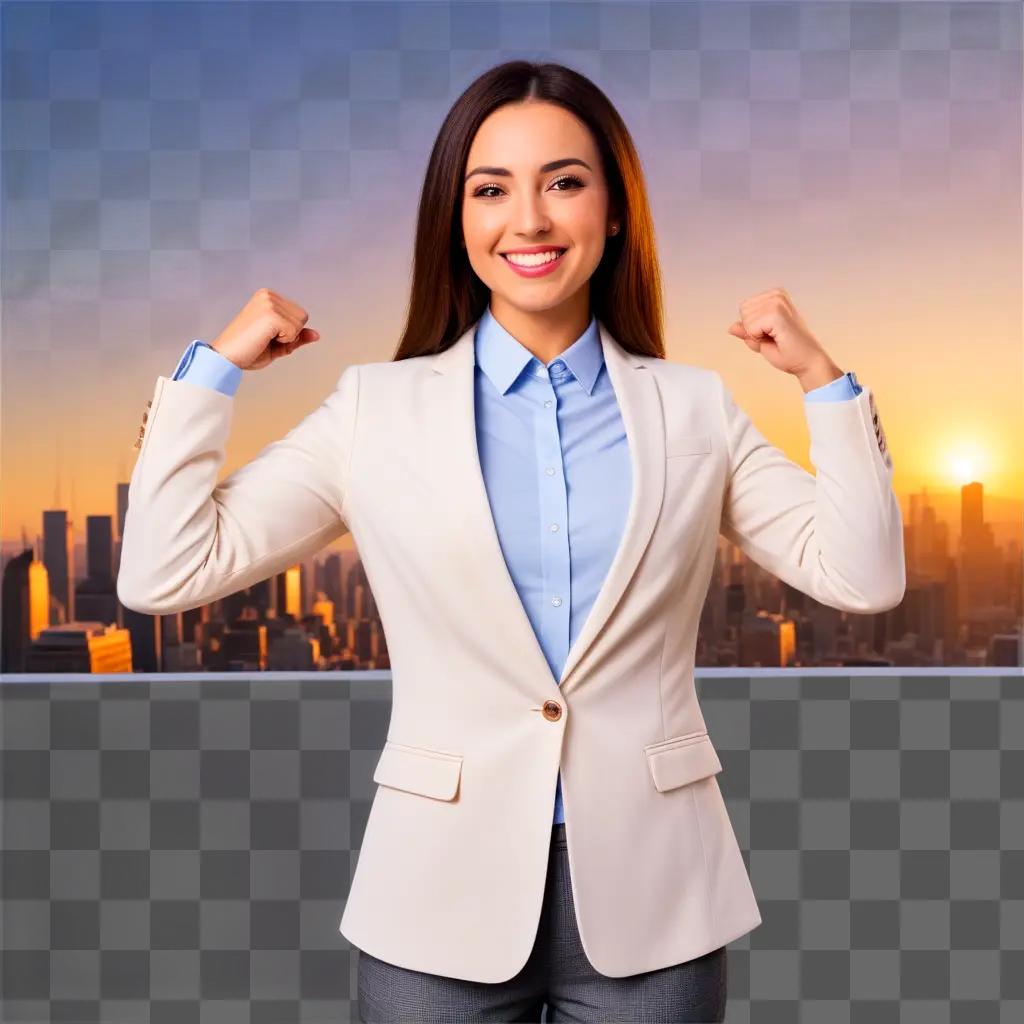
(447, 296)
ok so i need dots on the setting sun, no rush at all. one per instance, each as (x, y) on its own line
(964, 468)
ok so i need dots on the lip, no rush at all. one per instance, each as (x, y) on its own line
(527, 249)
(544, 268)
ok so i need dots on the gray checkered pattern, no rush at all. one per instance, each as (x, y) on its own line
(180, 849)
(164, 160)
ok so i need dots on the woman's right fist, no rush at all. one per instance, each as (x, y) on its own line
(267, 327)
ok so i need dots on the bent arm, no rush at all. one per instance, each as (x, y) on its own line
(189, 540)
(836, 536)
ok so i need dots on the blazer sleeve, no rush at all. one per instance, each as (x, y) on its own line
(189, 540)
(837, 535)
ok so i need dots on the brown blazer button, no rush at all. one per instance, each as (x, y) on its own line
(552, 710)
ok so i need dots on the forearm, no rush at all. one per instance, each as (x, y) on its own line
(836, 534)
(189, 539)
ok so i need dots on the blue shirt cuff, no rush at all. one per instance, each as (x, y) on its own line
(203, 365)
(837, 390)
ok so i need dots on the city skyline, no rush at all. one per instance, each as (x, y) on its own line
(963, 606)
(1005, 507)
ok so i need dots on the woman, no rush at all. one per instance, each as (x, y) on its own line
(536, 494)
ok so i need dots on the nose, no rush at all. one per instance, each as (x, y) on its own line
(529, 217)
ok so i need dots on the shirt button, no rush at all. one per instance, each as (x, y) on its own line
(550, 470)
(554, 527)
(547, 404)
(558, 365)
(556, 601)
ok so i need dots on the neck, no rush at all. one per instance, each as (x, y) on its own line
(547, 333)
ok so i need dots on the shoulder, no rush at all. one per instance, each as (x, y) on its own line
(388, 371)
(687, 375)
(388, 383)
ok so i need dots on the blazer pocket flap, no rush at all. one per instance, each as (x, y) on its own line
(682, 759)
(433, 773)
(687, 444)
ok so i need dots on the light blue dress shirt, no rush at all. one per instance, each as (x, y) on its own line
(556, 466)
(203, 364)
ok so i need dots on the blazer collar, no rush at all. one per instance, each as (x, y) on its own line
(452, 415)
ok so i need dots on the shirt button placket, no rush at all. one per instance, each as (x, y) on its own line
(555, 555)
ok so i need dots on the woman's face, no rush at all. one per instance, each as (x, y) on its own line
(515, 203)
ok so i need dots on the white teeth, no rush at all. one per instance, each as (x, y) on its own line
(533, 259)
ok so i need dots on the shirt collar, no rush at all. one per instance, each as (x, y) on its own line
(503, 358)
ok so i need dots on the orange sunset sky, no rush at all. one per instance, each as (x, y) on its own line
(921, 297)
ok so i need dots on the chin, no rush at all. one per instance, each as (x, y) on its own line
(532, 304)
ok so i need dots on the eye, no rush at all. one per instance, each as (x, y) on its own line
(572, 179)
(569, 178)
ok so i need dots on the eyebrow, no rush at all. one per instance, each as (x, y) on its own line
(553, 166)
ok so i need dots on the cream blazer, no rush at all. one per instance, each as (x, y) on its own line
(452, 866)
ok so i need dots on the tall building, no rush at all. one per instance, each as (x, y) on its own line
(99, 548)
(25, 596)
(59, 559)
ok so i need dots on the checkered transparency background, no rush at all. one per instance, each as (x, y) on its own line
(181, 850)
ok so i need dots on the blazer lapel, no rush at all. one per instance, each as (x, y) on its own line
(640, 407)
(458, 459)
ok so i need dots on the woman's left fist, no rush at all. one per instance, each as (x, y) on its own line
(770, 325)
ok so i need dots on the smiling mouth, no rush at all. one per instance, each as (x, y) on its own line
(559, 253)
(513, 252)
